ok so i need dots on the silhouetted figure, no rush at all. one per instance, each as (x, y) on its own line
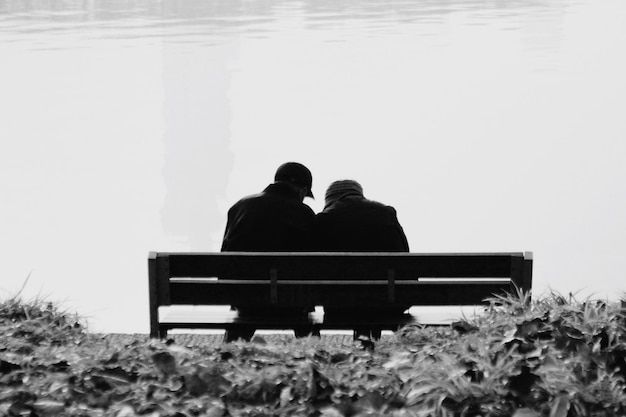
(352, 223)
(275, 220)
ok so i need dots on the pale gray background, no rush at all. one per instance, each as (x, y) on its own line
(133, 126)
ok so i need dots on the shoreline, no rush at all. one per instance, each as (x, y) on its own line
(193, 339)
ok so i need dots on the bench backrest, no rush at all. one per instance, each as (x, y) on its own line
(334, 279)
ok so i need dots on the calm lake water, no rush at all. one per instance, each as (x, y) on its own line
(131, 126)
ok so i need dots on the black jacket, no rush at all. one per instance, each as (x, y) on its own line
(273, 220)
(356, 224)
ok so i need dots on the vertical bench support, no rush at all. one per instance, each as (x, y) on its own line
(153, 295)
(391, 286)
(159, 287)
(527, 275)
(273, 286)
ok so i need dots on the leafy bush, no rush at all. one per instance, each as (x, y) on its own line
(34, 322)
(553, 357)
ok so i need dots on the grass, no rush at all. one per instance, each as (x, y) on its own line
(552, 357)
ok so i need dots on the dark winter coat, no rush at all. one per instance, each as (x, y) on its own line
(356, 224)
(275, 220)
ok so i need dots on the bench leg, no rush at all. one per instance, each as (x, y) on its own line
(244, 332)
(360, 332)
(306, 331)
(376, 334)
(370, 333)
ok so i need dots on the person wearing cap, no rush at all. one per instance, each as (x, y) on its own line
(274, 220)
(350, 222)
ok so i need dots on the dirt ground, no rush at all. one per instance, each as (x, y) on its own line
(216, 339)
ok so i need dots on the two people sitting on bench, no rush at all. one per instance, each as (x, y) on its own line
(277, 220)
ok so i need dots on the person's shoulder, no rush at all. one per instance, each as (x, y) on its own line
(250, 197)
(381, 206)
(309, 211)
(244, 201)
(384, 210)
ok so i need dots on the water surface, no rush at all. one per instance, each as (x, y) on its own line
(130, 126)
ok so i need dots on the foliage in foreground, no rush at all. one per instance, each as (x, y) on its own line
(552, 357)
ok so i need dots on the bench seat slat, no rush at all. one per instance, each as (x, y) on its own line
(223, 319)
(338, 294)
(418, 281)
(339, 265)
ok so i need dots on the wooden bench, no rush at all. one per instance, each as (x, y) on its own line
(346, 280)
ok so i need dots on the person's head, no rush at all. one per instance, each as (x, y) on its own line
(342, 189)
(298, 175)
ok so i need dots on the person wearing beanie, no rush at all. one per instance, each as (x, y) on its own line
(274, 220)
(352, 223)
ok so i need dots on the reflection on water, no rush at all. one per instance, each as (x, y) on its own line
(198, 160)
(135, 124)
(243, 17)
